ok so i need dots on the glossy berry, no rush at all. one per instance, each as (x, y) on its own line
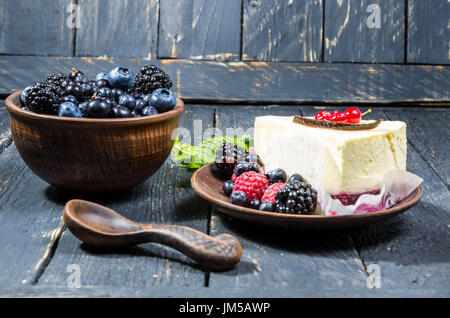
(149, 111)
(74, 74)
(127, 101)
(296, 177)
(252, 183)
(276, 175)
(82, 106)
(254, 204)
(74, 90)
(140, 105)
(150, 78)
(228, 187)
(323, 115)
(104, 92)
(121, 112)
(267, 206)
(339, 117)
(239, 198)
(163, 100)
(69, 109)
(103, 83)
(97, 108)
(70, 98)
(253, 166)
(271, 192)
(81, 79)
(121, 77)
(116, 93)
(24, 94)
(102, 75)
(353, 115)
(240, 168)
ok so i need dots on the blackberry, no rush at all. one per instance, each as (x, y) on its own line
(150, 78)
(296, 198)
(227, 156)
(56, 79)
(44, 98)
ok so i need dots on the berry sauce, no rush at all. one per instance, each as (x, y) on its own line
(349, 199)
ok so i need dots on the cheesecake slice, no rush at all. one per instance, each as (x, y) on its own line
(347, 163)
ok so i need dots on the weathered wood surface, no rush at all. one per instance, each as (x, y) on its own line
(258, 82)
(282, 30)
(36, 28)
(200, 29)
(118, 28)
(352, 33)
(302, 262)
(428, 31)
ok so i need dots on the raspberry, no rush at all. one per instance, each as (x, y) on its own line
(271, 192)
(233, 177)
(252, 183)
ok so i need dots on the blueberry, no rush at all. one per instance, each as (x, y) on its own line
(103, 83)
(228, 187)
(121, 77)
(117, 92)
(240, 168)
(276, 175)
(88, 89)
(267, 206)
(104, 92)
(101, 76)
(121, 112)
(239, 198)
(146, 99)
(97, 108)
(74, 74)
(74, 90)
(24, 94)
(135, 113)
(138, 95)
(297, 177)
(82, 106)
(69, 109)
(127, 101)
(140, 105)
(149, 111)
(253, 166)
(163, 100)
(66, 83)
(70, 98)
(254, 204)
(81, 79)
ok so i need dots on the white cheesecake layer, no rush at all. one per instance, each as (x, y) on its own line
(350, 162)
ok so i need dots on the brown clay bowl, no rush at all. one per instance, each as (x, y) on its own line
(209, 187)
(98, 155)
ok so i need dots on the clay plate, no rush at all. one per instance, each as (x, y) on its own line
(209, 186)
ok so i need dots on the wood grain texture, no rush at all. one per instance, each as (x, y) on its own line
(284, 260)
(200, 29)
(282, 30)
(35, 27)
(166, 198)
(118, 28)
(349, 39)
(258, 82)
(412, 250)
(428, 31)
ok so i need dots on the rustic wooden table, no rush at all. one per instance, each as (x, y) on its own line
(408, 255)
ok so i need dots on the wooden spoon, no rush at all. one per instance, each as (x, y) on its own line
(98, 225)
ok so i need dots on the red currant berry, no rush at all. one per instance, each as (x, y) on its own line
(338, 117)
(323, 115)
(353, 115)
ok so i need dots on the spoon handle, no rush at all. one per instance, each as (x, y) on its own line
(220, 252)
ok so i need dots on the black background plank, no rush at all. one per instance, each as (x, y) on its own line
(118, 28)
(200, 29)
(258, 82)
(306, 263)
(282, 30)
(428, 31)
(349, 39)
(167, 198)
(37, 27)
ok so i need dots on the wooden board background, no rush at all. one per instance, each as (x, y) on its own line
(411, 31)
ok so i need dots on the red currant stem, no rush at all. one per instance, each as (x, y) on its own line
(368, 111)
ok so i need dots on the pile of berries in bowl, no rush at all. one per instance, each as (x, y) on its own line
(104, 135)
(248, 185)
(115, 94)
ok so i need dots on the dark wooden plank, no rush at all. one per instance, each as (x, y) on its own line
(37, 27)
(284, 260)
(259, 82)
(200, 29)
(5, 133)
(348, 37)
(118, 28)
(282, 30)
(428, 31)
(412, 250)
(166, 197)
